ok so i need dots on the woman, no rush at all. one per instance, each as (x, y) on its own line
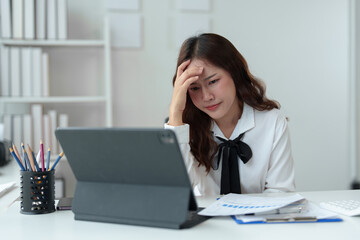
(233, 139)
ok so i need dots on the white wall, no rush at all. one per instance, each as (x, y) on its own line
(300, 48)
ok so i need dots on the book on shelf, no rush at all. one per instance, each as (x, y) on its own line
(45, 76)
(40, 17)
(53, 125)
(15, 66)
(26, 72)
(17, 130)
(37, 71)
(17, 19)
(29, 19)
(5, 71)
(47, 132)
(62, 19)
(27, 129)
(37, 117)
(52, 31)
(63, 122)
(5, 19)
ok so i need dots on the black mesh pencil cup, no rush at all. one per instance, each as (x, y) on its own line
(37, 192)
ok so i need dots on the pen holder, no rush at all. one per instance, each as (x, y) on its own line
(37, 192)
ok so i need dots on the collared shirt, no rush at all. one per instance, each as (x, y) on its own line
(271, 168)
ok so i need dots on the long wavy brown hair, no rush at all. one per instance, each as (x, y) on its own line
(219, 52)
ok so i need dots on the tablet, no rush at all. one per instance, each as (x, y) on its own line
(128, 175)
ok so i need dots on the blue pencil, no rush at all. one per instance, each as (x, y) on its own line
(17, 159)
(18, 155)
(26, 158)
(36, 163)
(48, 160)
(57, 160)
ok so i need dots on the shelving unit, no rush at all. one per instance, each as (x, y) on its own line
(106, 98)
(70, 99)
(54, 43)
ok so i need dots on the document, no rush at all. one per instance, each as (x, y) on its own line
(239, 204)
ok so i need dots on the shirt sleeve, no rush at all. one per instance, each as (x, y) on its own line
(281, 172)
(183, 135)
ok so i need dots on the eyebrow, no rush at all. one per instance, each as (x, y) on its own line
(207, 78)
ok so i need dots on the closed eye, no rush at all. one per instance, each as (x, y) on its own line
(213, 81)
(194, 88)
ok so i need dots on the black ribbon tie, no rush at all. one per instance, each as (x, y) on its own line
(230, 150)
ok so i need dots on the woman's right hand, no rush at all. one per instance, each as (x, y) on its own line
(184, 77)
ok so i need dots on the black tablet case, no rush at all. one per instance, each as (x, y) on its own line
(130, 176)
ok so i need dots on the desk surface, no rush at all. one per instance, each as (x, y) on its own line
(61, 225)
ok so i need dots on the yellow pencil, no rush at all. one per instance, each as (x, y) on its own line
(57, 160)
(34, 158)
(32, 163)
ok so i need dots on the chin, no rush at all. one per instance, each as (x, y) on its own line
(215, 116)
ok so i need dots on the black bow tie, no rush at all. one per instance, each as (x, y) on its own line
(230, 150)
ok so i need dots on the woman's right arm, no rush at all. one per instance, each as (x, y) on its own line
(184, 78)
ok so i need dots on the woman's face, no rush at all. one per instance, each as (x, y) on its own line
(214, 92)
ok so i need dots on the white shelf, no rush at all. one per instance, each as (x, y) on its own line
(69, 99)
(53, 43)
(102, 43)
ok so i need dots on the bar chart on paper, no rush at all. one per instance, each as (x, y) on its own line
(237, 204)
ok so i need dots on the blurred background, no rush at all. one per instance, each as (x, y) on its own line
(306, 51)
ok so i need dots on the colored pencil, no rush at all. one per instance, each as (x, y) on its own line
(26, 159)
(17, 153)
(34, 158)
(42, 156)
(48, 160)
(16, 158)
(57, 160)
(31, 158)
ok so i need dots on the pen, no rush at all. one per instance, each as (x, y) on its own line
(17, 159)
(57, 160)
(292, 219)
(42, 156)
(48, 160)
(34, 158)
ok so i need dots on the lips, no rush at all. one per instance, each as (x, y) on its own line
(212, 107)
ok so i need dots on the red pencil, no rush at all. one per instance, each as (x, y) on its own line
(42, 156)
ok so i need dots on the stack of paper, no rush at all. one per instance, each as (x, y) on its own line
(312, 213)
(238, 204)
(250, 209)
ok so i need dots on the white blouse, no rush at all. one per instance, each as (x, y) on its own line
(271, 168)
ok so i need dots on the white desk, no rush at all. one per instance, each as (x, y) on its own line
(9, 173)
(61, 225)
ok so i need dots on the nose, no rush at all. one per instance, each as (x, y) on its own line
(207, 95)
